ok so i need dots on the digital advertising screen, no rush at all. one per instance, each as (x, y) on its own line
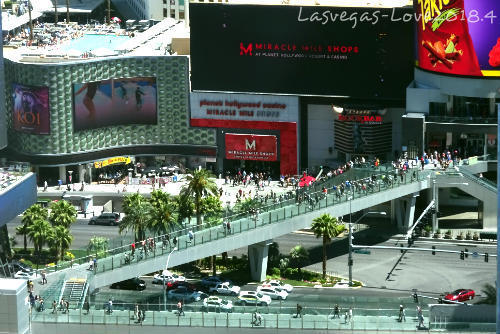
(114, 102)
(302, 50)
(31, 109)
(460, 37)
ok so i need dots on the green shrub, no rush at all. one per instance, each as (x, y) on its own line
(275, 271)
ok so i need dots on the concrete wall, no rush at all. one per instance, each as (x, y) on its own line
(320, 135)
(14, 306)
(3, 124)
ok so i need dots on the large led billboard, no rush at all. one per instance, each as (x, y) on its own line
(251, 147)
(310, 50)
(114, 102)
(31, 109)
(460, 37)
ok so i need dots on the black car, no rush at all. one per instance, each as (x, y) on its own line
(130, 284)
(18, 266)
(107, 218)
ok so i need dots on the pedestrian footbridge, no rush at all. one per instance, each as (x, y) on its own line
(257, 230)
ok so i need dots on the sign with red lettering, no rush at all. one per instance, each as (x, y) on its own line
(31, 109)
(364, 119)
(251, 147)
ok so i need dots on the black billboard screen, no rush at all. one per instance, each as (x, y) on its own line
(334, 51)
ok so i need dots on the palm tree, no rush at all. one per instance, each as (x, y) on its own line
(62, 213)
(185, 207)
(138, 213)
(56, 18)
(199, 185)
(38, 232)
(33, 213)
(490, 294)
(67, 11)
(60, 240)
(163, 212)
(326, 227)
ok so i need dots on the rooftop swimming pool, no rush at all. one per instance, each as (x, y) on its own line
(89, 42)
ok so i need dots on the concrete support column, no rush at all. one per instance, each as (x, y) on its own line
(81, 173)
(257, 255)
(435, 197)
(62, 174)
(403, 212)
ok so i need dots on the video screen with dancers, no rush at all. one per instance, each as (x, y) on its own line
(114, 102)
(31, 109)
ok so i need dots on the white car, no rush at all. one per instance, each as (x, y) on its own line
(279, 285)
(226, 288)
(169, 278)
(185, 294)
(215, 303)
(253, 298)
(274, 293)
(24, 275)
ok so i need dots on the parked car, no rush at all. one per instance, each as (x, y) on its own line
(273, 292)
(280, 285)
(106, 218)
(460, 295)
(212, 281)
(130, 284)
(253, 298)
(225, 288)
(214, 303)
(186, 294)
(169, 278)
(24, 275)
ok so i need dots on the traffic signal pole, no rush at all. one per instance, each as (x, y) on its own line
(420, 249)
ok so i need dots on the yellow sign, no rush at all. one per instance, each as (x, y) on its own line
(112, 161)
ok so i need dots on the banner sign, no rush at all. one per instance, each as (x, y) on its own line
(112, 161)
(251, 147)
(459, 37)
(31, 109)
(244, 107)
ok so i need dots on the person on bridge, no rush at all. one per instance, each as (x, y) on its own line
(336, 311)
(191, 236)
(299, 311)
(180, 311)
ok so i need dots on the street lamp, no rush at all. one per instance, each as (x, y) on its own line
(163, 276)
(349, 261)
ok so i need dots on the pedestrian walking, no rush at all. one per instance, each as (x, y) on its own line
(180, 311)
(228, 227)
(110, 306)
(94, 262)
(54, 307)
(175, 241)
(44, 277)
(336, 311)
(346, 316)
(191, 236)
(136, 312)
(350, 314)
(66, 304)
(299, 311)
(45, 186)
(86, 307)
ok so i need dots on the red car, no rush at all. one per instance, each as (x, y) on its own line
(460, 295)
(178, 284)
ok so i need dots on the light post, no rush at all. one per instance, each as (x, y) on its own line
(350, 261)
(163, 276)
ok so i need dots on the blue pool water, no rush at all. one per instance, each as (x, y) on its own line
(90, 42)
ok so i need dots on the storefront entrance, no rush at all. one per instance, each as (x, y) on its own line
(270, 167)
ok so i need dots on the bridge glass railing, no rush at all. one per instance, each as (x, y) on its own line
(364, 317)
(303, 203)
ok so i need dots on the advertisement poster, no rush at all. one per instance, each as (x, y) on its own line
(460, 37)
(302, 50)
(114, 102)
(251, 147)
(31, 109)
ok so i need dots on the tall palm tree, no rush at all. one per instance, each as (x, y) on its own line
(490, 294)
(60, 240)
(163, 212)
(199, 185)
(56, 18)
(62, 213)
(326, 227)
(38, 232)
(33, 213)
(138, 213)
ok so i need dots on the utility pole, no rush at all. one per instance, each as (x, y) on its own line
(31, 22)
(109, 11)
(67, 11)
(55, 13)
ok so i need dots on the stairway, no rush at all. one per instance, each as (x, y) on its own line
(74, 291)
